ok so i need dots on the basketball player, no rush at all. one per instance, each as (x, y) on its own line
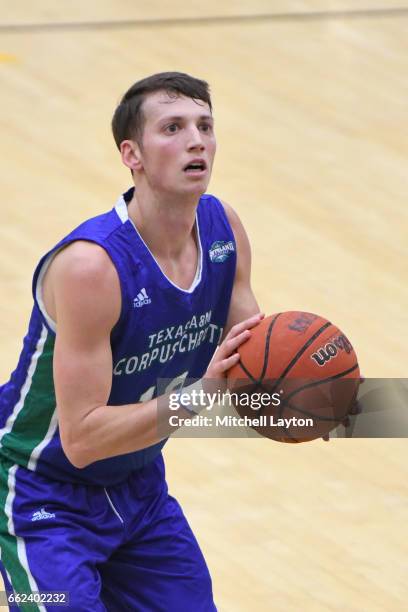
(145, 291)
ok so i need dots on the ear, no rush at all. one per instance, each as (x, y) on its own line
(131, 155)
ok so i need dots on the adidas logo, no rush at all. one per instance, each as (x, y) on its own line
(142, 299)
(41, 515)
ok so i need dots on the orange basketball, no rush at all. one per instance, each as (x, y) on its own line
(306, 366)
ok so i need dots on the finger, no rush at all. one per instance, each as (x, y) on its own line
(232, 344)
(226, 364)
(247, 324)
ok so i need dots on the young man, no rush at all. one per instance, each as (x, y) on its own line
(143, 292)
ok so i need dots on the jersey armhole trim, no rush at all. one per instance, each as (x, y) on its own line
(51, 324)
(38, 294)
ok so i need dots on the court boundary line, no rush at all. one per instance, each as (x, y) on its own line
(209, 20)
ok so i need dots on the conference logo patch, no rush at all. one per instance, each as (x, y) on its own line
(221, 250)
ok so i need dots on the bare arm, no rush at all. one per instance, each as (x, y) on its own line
(85, 292)
(243, 302)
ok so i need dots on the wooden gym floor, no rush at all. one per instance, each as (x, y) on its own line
(310, 103)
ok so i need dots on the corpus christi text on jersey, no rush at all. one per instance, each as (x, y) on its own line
(201, 420)
(164, 344)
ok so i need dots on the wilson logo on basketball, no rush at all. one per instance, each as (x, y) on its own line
(331, 350)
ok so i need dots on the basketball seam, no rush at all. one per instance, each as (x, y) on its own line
(248, 373)
(292, 363)
(301, 351)
(266, 353)
(285, 402)
(322, 381)
(258, 381)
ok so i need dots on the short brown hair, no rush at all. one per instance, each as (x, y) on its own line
(128, 119)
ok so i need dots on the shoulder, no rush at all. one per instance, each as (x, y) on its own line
(232, 215)
(237, 227)
(84, 260)
(99, 227)
(82, 278)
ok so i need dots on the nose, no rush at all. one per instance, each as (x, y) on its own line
(195, 139)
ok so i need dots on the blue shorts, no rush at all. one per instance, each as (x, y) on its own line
(126, 547)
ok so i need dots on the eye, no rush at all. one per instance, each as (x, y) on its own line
(172, 128)
(206, 127)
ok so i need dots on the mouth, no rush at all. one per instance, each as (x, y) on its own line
(196, 167)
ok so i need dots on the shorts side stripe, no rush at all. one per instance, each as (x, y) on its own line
(14, 554)
(27, 384)
(33, 423)
(32, 462)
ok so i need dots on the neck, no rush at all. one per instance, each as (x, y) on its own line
(165, 224)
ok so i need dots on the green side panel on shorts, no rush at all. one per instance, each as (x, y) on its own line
(8, 543)
(33, 420)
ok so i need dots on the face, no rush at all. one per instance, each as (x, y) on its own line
(178, 144)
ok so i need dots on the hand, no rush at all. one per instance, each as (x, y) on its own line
(226, 355)
(354, 409)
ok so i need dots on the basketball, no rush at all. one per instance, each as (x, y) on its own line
(297, 377)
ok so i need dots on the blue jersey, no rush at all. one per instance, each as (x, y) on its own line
(164, 332)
